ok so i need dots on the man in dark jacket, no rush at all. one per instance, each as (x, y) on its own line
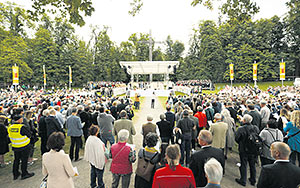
(282, 173)
(86, 119)
(233, 112)
(256, 118)
(20, 135)
(186, 125)
(52, 123)
(165, 129)
(199, 158)
(241, 137)
(170, 117)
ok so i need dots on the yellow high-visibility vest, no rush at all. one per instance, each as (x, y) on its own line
(17, 140)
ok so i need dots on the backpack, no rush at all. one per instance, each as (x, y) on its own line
(254, 142)
(274, 140)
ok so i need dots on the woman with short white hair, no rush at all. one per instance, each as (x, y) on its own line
(231, 129)
(214, 173)
(122, 158)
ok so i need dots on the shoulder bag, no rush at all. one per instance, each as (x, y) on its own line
(44, 182)
(145, 167)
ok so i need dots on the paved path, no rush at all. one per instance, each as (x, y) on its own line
(83, 180)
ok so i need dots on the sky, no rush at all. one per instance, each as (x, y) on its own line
(176, 18)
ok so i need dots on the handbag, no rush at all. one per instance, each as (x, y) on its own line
(44, 182)
(286, 138)
(145, 167)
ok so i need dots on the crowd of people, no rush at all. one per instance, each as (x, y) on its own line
(186, 148)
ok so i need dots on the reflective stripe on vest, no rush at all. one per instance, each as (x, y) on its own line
(17, 140)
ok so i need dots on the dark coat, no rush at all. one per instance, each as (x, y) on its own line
(4, 140)
(53, 125)
(256, 118)
(170, 117)
(279, 175)
(199, 158)
(233, 113)
(86, 118)
(241, 136)
(165, 128)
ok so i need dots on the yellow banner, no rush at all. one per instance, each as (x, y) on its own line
(15, 75)
(282, 71)
(70, 74)
(231, 71)
(44, 70)
(255, 71)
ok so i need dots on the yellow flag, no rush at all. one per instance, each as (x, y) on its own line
(70, 74)
(282, 71)
(15, 75)
(255, 71)
(231, 71)
(44, 70)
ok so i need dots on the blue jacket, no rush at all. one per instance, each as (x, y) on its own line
(74, 126)
(294, 142)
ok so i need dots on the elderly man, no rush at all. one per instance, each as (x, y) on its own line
(124, 123)
(149, 127)
(265, 114)
(122, 159)
(52, 123)
(200, 157)
(186, 125)
(218, 131)
(246, 153)
(74, 127)
(59, 116)
(214, 173)
(282, 173)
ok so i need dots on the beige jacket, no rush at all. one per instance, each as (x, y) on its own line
(124, 124)
(218, 131)
(59, 168)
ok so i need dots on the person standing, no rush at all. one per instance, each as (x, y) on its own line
(199, 158)
(214, 173)
(86, 119)
(74, 127)
(269, 135)
(173, 175)
(124, 123)
(52, 123)
(219, 131)
(105, 123)
(94, 153)
(264, 113)
(165, 129)
(202, 121)
(42, 130)
(186, 125)
(4, 140)
(282, 173)
(19, 136)
(170, 117)
(149, 127)
(293, 129)
(122, 158)
(194, 131)
(152, 99)
(56, 164)
(256, 118)
(245, 153)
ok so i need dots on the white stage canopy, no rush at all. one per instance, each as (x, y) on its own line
(149, 67)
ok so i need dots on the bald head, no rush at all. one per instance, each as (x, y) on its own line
(280, 151)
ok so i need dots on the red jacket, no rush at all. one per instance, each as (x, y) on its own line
(120, 163)
(202, 119)
(180, 178)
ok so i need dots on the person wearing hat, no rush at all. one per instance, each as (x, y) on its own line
(20, 138)
(186, 125)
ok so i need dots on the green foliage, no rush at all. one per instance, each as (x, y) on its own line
(73, 9)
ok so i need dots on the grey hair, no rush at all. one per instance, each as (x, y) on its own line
(80, 107)
(149, 117)
(226, 113)
(162, 116)
(46, 113)
(247, 118)
(218, 116)
(52, 112)
(123, 135)
(213, 170)
(206, 136)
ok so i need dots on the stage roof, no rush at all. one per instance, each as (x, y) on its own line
(150, 67)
